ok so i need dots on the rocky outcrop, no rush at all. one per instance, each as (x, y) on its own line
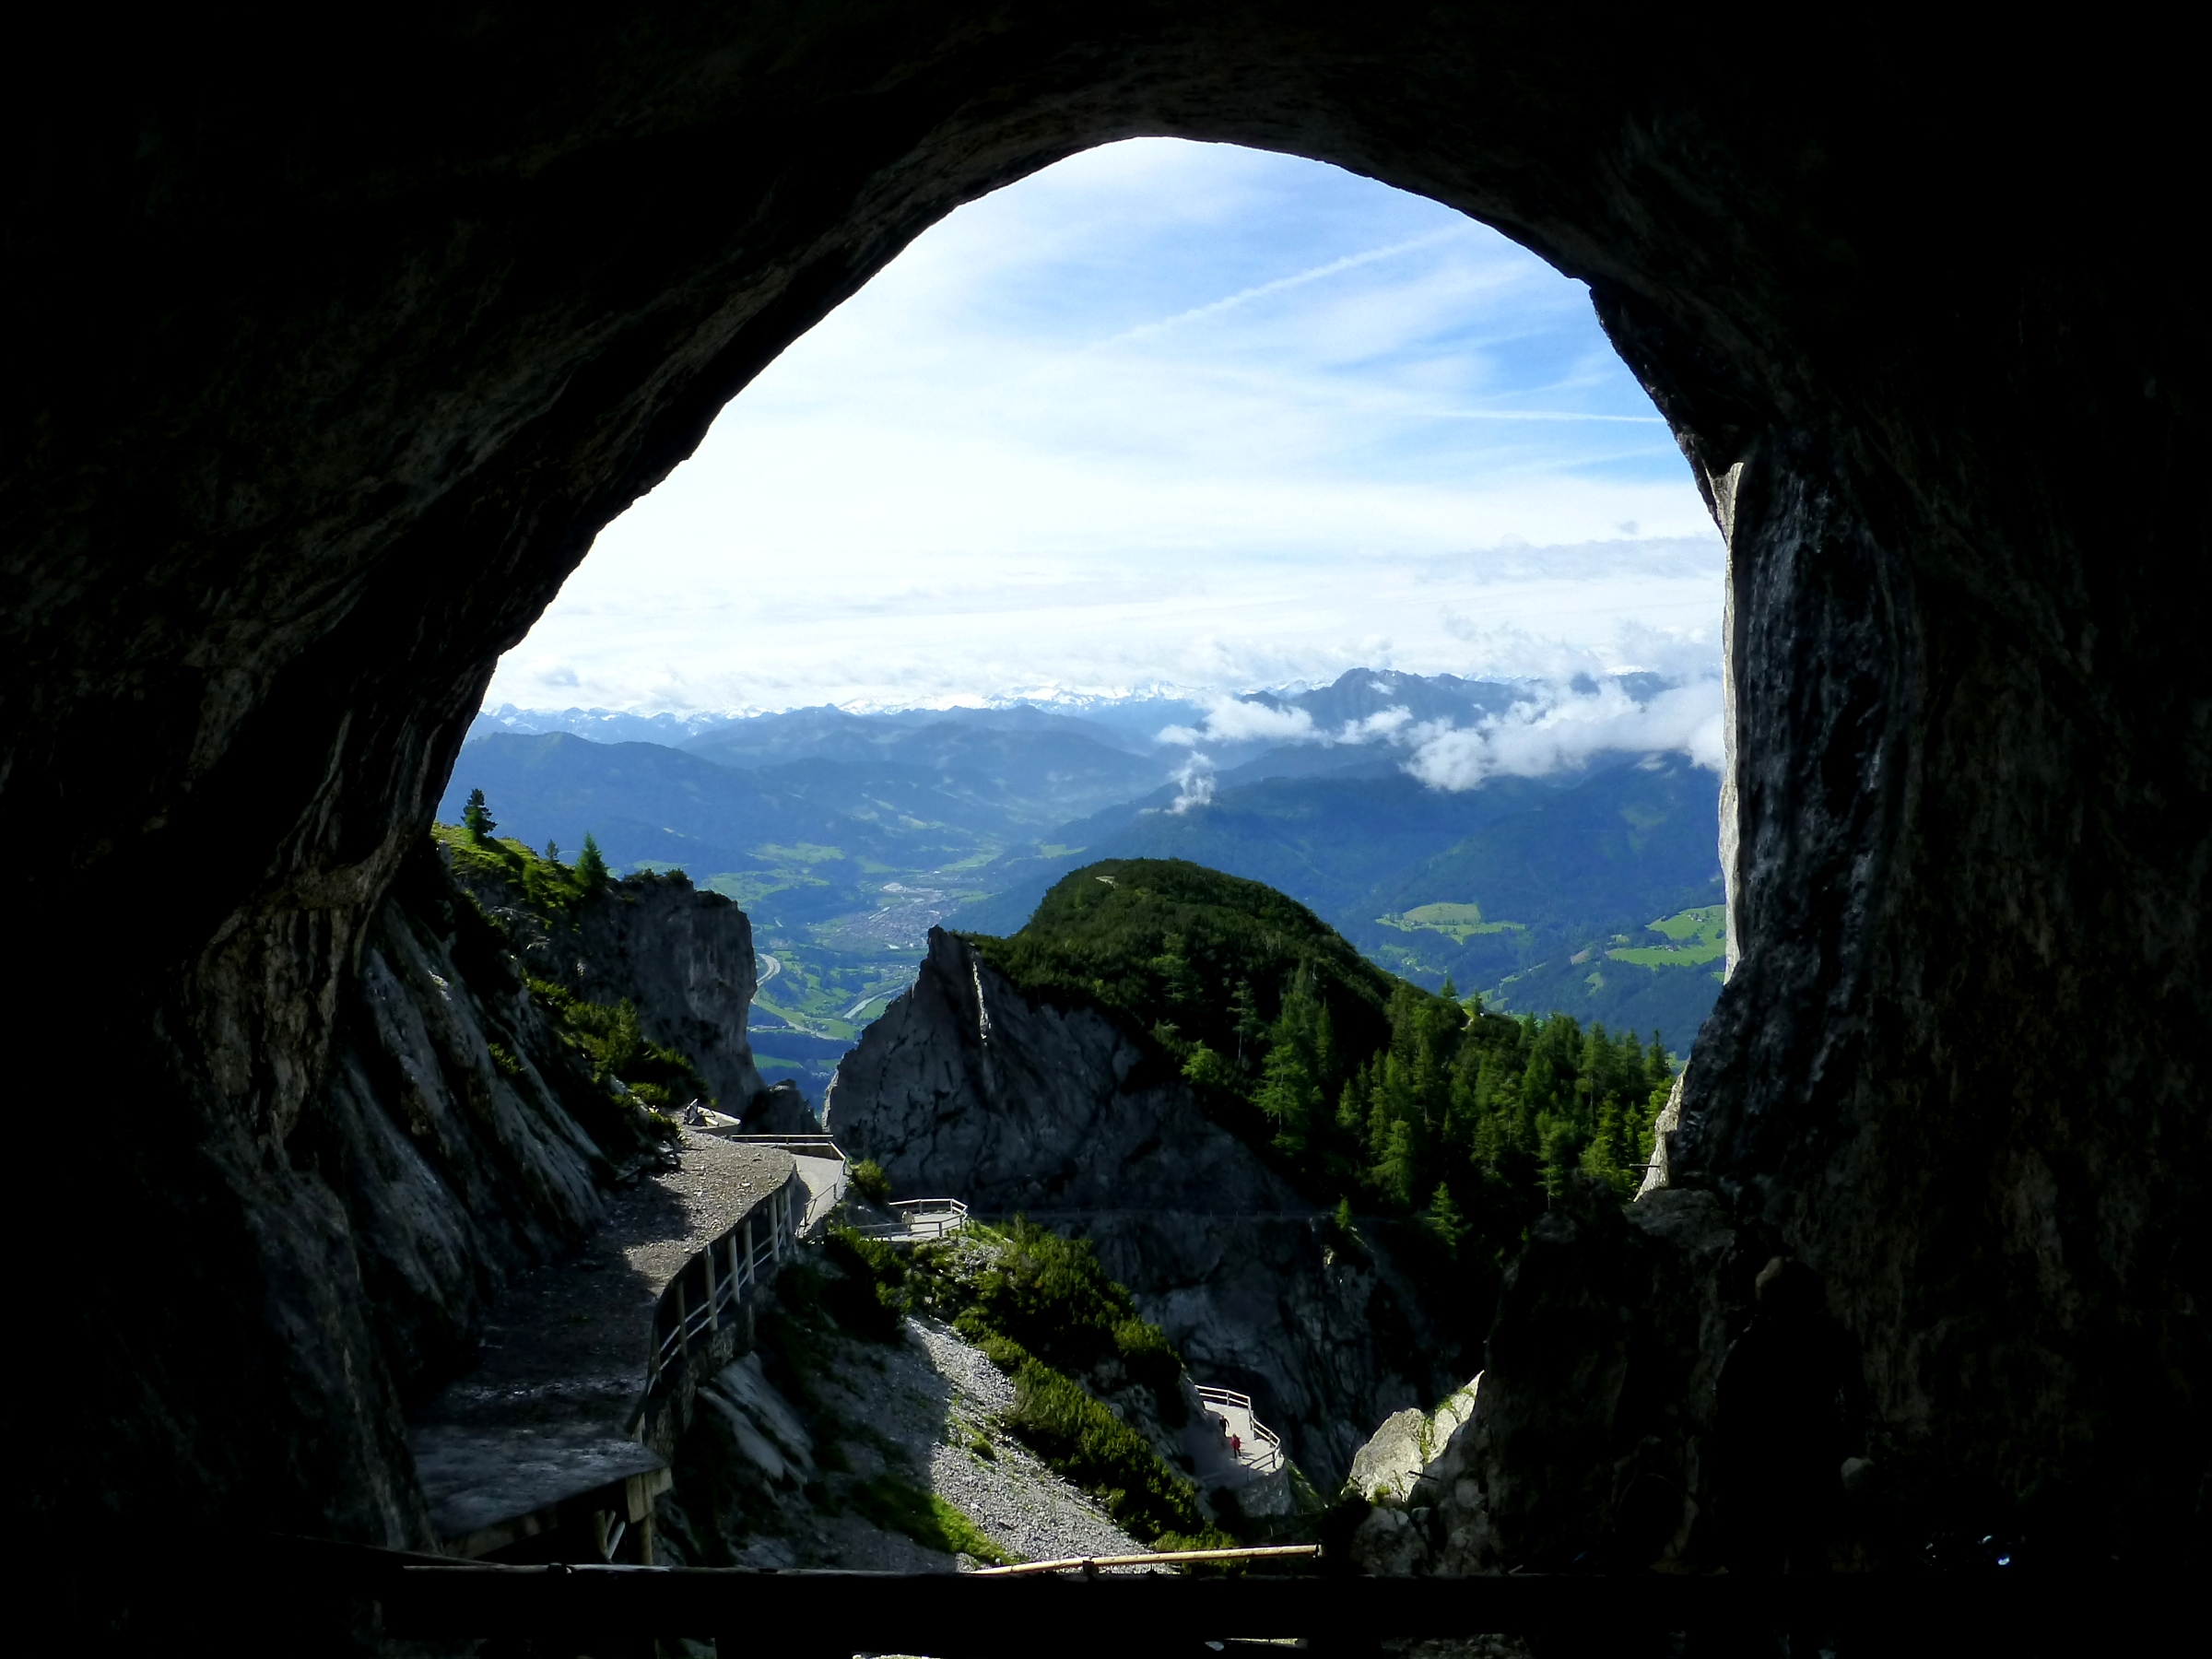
(682, 955)
(967, 1088)
(782, 1108)
(1591, 1439)
(1399, 1453)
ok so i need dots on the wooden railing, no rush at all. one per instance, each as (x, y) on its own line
(714, 1284)
(1266, 1455)
(918, 1219)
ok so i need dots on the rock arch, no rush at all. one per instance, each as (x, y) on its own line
(335, 351)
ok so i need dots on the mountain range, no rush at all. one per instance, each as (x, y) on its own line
(847, 835)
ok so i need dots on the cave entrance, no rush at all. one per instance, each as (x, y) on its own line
(352, 340)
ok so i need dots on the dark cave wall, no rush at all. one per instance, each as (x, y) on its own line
(348, 340)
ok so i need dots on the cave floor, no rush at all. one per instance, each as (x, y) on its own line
(543, 1422)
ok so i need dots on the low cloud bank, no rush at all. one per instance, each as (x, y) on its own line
(1555, 727)
(1540, 737)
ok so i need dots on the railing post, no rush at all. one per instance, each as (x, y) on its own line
(737, 1273)
(683, 1323)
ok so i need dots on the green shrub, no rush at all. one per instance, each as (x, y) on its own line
(924, 1517)
(1005, 1353)
(1083, 1441)
(1050, 1295)
(870, 1181)
(614, 1045)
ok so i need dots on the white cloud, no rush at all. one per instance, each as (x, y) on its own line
(1195, 782)
(1383, 726)
(1232, 719)
(1553, 732)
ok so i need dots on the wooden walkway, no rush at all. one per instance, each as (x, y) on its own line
(551, 1428)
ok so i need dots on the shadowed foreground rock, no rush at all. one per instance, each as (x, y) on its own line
(1590, 1441)
(343, 342)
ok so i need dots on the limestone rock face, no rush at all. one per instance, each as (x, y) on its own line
(968, 1088)
(1408, 1442)
(457, 1167)
(682, 955)
(348, 343)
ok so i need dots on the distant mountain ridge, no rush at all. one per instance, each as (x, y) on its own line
(847, 835)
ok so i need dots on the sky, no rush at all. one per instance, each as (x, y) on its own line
(1164, 415)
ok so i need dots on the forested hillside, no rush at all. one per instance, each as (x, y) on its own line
(1372, 1093)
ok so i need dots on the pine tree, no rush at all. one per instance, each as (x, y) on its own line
(1445, 1223)
(552, 853)
(1250, 1028)
(1396, 1169)
(1348, 1112)
(1289, 1098)
(476, 818)
(591, 865)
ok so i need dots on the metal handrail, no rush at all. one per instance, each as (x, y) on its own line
(1273, 1460)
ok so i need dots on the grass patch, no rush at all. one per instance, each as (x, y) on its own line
(747, 888)
(547, 885)
(924, 1517)
(804, 853)
(1459, 923)
(1698, 936)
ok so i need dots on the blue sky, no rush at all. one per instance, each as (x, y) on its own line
(1167, 414)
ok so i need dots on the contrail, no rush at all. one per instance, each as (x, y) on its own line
(1350, 262)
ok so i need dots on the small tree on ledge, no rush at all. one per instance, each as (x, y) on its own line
(476, 818)
(591, 865)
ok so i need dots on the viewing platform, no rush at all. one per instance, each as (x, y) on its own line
(1258, 1449)
(588, 1363)
(918, 1221)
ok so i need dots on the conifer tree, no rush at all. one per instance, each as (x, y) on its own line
(1445, 1223)
(476, 818)
(1287, 1097)
(1396, 1171)
(591, 865)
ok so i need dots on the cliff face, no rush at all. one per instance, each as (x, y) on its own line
(683, 957)
(463, 1137)
(968, 1088)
